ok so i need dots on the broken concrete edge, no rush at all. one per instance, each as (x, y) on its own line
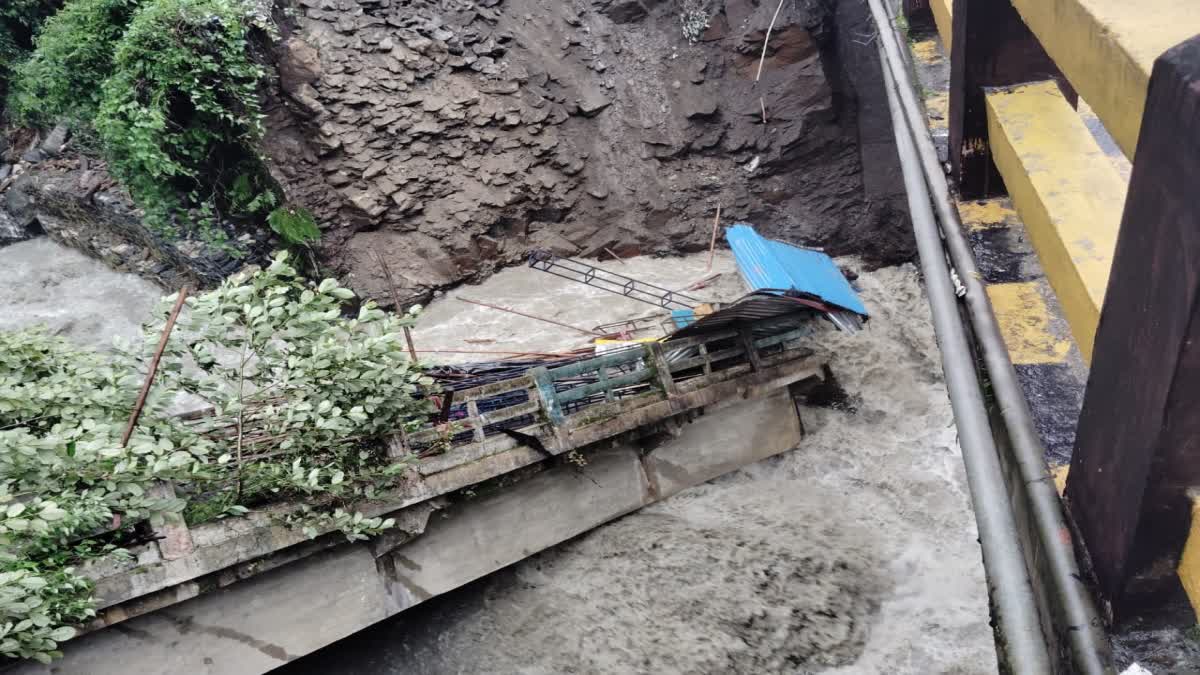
(327, 595)
(235, 549)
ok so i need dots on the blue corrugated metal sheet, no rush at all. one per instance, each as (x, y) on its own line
(771, 265)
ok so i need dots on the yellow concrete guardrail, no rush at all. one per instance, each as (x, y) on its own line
(943, 17)
(1068, 193)
(1107, 48)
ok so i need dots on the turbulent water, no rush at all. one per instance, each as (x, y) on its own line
(855, 553)
(71, 294)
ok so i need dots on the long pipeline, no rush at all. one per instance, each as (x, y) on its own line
(1014, 599)
(1090, 649)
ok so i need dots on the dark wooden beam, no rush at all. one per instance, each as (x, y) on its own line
(1137, 449)
(918, 13)
(991, 47)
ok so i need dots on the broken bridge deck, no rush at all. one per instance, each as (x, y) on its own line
(245, 595)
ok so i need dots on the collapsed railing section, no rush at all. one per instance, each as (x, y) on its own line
(546, 396)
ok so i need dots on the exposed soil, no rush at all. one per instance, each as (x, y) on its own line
(451, 138)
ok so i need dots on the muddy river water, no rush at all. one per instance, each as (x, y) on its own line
(854, 553)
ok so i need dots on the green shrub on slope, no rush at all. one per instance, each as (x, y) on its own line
(74, 56)
(180, 116)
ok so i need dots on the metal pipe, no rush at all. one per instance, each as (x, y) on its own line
(1090, 649)
(1013, 597)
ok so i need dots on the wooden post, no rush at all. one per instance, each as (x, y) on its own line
(662, 368)
(991, 47)
(545, 388)
(1137, 449)
(917, 12)
(746, 333)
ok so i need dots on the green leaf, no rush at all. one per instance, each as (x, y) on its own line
(33, 583)
(62, 634)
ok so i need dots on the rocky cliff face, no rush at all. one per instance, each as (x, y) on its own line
(449, 137)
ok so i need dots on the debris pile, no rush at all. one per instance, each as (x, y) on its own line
(792, 289)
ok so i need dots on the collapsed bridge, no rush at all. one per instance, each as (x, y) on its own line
(520, 456)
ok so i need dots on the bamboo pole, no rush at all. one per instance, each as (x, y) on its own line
(387, 274)
(615, 256)
(158, 352)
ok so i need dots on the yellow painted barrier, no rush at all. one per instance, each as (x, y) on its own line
(1189, 562)
(1025, 323)
(1059, 473)
(1066, 191)
(942, 11)
(985, 214)
(1107, 48)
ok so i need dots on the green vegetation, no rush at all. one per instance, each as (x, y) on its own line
(300, 397)
(170, 90)
(179, 117)
(74, 56)
(295, 225)
(901, 23)
(19, 22)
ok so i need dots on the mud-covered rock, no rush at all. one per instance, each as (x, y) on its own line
(19, 201)
(10, 230)
(85, 210)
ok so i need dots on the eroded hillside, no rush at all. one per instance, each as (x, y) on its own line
(452, 137)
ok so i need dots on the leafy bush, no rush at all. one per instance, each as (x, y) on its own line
(19, 22)
(74, 56)
(300, 394)
(284, 370)
(10, 54)
(180, 116)
(27, 15)
(295, 224)
(37, 608)
(170, 88)
(62, 413)
(64, 474)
